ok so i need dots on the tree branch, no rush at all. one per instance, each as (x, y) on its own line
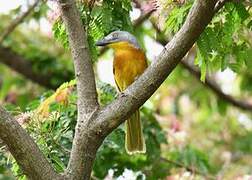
(83, 152)
(17, 21)
(19, 63)
(133, 97)
(24, 150)
(22, 66)
(82, 61)
(142, 18)
(216, 89)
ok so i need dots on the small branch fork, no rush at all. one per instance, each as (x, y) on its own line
(95, 123)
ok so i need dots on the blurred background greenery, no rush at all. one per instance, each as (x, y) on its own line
(193, 130)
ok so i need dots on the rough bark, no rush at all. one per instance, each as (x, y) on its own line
(84, 147)
(24, 149)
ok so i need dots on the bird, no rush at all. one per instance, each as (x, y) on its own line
(128, 64)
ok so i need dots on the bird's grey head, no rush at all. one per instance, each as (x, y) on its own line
(118, 36)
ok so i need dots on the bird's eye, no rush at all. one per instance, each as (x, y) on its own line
(115, 36)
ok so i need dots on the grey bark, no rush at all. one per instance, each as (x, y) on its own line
(84, 146)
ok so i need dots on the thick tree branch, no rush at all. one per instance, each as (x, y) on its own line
(83, 151)
(17, 21)
(19, 63)
(82, 61)
(22, 66)
(133, 97)
(216, 89)
(24, 150)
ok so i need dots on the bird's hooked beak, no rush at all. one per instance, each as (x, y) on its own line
(102, 42)
(107, 40)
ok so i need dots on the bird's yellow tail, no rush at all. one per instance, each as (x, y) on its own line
(134, 140)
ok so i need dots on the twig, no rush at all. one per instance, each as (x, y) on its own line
(142, 18)
(190, 169)
(145, 14)
(137, 3)
(17, 21)
(220, 4)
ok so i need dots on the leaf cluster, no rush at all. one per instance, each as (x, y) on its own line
(224, 43)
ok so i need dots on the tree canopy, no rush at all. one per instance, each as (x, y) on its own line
(196, 121)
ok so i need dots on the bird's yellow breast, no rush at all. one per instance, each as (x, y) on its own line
(129, 62)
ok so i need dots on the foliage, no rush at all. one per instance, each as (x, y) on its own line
(224, 43)
(98, 21)
(177, 17)
(106, 93)
(52, 126)
(4, 172)
(191, 157)
(205, 134)
(37, 49)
